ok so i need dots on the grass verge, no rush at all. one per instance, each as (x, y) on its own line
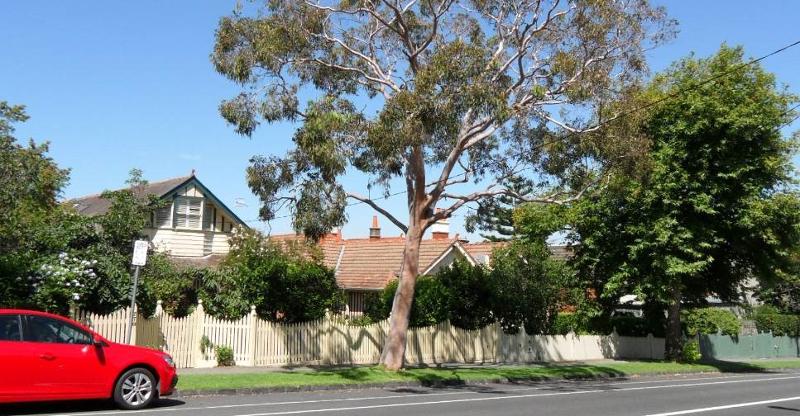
(432, 376)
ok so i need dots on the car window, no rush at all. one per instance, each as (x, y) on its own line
(10, 328)
(43, 329)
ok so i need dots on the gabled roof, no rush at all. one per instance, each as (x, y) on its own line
(92, 205)
(95, 204)
(369, 264)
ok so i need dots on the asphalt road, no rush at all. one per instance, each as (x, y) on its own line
(750, 394)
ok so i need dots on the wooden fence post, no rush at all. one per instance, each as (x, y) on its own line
(252, 334)
(198, 325)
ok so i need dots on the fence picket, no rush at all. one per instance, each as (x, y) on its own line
(332, 341)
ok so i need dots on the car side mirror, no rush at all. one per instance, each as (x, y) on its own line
(99, 342)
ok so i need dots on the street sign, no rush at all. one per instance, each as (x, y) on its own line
(139, 259)
(140, 252)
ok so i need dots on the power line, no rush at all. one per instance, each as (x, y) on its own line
(626, 114)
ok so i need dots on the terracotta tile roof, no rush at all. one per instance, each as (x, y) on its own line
(91, 205)
(371, 263)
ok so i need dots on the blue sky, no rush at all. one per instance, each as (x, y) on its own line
(121, 85)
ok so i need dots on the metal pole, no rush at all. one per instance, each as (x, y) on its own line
(133, 305)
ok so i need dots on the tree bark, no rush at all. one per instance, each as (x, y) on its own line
(674, 335)
(394, 350)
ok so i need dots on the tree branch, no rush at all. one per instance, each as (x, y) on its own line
(381, 210)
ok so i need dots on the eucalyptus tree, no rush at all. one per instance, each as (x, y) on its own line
(436, 94)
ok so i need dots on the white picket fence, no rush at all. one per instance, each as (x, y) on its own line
(331, 341)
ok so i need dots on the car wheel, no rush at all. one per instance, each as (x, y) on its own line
(135, 389)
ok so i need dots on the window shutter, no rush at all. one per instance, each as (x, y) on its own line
(163, 216)
(194, 213)
(187, 212)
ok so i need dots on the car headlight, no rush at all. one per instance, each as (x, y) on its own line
(170, 362)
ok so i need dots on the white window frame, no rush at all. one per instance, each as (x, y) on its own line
(175, 214)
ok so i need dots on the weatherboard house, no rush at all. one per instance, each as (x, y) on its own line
(193, 224)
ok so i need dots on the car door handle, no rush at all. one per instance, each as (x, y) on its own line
(48, 357)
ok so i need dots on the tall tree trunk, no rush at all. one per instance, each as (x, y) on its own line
(674, 335)
(395, 348)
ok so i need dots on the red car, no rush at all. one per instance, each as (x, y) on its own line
(49, 357)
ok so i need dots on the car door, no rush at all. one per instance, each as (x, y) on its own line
(68, 365)
(15, 383)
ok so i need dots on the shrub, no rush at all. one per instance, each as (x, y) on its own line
(528, 287)
(691, 352)
(376, 306)
(567, 322)
(769, 319)
(360, 320)
(625, 325)
(225, 356)
(468, 289)
(287, 283)
(710, 321)
(631, 326)
(430, 305)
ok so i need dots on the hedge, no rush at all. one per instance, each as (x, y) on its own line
(769, 319)
(625, 325)
(710, 321)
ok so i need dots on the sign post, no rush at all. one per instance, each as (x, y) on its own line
(139, 259)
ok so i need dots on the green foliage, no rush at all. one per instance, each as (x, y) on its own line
(175, 286)
(30, 184)
(469, 294)
(360, 320)
(710, 209)
(769, 319)
(495, 217)
(710, 321)
(567, 322)
(529, 286)
(524, 287)
(624, 325)
(224, 356)
(691, 352)
(437, 76)
(284, 282)
(430, 304)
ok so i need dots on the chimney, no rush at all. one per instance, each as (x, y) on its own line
(335, 234)
(375, 230)
(440, 230)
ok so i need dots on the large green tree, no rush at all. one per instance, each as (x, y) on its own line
(30, 184)
(713, 208)
(434, 95)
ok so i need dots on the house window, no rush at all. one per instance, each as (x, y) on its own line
(163, 216)
(208, 217)
(188, 212)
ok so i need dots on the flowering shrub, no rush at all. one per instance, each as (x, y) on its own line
(61, 281)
